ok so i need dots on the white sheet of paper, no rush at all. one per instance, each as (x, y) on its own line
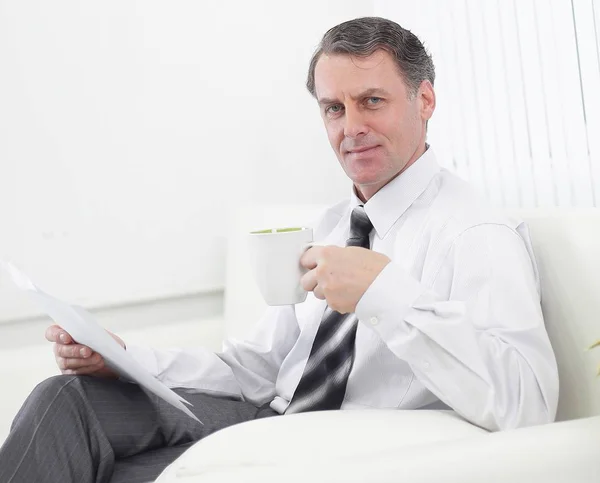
(85, 330)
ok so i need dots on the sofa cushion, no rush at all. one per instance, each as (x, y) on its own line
(310, 438)
(388, 447)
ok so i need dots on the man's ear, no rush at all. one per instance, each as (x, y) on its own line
(427, 99)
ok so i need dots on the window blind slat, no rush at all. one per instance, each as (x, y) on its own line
(518, 90)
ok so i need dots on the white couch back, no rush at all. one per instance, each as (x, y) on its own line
(566, 247)
(567, 250)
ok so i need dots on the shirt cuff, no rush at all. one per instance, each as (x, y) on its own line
(387, 301)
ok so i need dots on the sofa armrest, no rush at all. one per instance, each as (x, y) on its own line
(552, 453)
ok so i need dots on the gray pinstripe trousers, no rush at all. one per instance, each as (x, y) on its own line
(84, 429)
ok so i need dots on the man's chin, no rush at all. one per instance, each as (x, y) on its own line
(367, 187)
(369, 183)
(366, 172)
(367, 179)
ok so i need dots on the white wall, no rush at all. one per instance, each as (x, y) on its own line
(127, 128)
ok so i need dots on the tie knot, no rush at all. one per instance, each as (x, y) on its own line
(360, 228)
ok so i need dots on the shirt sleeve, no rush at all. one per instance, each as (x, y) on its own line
(475, 337)
(245, 369)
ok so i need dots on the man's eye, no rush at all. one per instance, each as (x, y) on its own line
(373, 100)
(334, 109)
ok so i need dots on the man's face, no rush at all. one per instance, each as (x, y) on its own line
(375, 128)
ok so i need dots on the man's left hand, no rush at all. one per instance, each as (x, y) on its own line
(341, 275)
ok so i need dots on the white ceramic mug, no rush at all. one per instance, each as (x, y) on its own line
(276, 263)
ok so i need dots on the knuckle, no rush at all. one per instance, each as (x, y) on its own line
(59, 350)
(64, 351)
(327, 251)
(75, 351)
(334, 286)
(321, 270)
(71, 363)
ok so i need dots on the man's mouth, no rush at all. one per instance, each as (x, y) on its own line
(362, 149)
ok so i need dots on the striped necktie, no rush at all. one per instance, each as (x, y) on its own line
(323, 383)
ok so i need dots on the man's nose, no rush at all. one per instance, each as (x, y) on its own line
(355, 124)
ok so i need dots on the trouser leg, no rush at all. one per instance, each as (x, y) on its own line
(80, 429)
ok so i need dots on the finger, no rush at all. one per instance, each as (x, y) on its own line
(309, 257)
(85, 371)
(72, 350)
(52, 333)
(69, 363)
(319, 293)
(309, 280)
(78, 363)
(56, 333)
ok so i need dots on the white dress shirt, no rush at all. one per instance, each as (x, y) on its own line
(454, 320)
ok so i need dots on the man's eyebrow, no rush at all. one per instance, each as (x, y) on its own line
(374, 91)
(327, 100)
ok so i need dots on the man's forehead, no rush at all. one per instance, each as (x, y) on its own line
(353, 75)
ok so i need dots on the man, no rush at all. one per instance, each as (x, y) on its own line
(422, 297)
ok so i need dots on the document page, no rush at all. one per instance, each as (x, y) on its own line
(85, 330)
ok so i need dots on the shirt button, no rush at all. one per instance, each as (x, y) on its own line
(374, 320)
(426, 365)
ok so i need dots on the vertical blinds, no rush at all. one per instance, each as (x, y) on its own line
(518, 94)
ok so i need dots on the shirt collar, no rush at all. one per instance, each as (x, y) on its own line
(391, 202)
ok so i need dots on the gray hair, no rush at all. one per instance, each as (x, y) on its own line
(363, 36)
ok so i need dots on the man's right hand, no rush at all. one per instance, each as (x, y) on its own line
(73, 358)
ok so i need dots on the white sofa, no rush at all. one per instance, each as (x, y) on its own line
(426, 446)
(386, 446)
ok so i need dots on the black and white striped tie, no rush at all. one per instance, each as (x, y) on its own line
(323, 383)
